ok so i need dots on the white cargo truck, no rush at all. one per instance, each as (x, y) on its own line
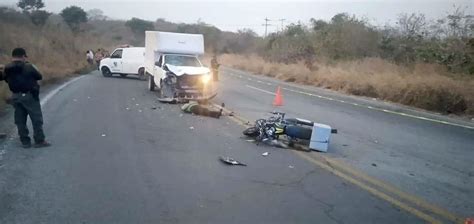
(124, 61)
(172, 66)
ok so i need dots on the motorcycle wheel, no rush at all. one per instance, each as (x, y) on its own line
(251, 132)
(298, 132)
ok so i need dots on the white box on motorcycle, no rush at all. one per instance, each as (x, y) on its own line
(320, 137)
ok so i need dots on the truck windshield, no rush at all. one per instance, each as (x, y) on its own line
(180, 60)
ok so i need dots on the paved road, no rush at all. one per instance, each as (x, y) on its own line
(117, 159)
(422, 154)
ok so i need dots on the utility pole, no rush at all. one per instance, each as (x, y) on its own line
(282, 20)
(266, 25)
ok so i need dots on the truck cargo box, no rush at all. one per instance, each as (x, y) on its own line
(176, 43)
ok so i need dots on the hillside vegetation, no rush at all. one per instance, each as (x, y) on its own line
(418, 62)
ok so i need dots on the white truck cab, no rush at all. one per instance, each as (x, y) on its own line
(173, 66)
(124, 61)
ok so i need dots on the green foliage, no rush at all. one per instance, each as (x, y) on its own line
(9, 15)
(30, 5)
(96, 14)
(74, 16)
(413, 39)
(290, 46)
(139, 26)
(39, 17)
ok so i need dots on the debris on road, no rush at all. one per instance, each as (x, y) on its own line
(137, 104)
(230, 161)
(191, 128)
(127, 108)
(265, 154)
(291, 167)
(167, 100)
(103, 135)
(374, 165)
(153, 108)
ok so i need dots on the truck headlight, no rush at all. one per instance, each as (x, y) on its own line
(206, 78)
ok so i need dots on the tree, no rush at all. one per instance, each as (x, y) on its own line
(412, 26)
(96, 14)
(74, 16)
(30, 5)
(39, 17)
(340, 18)
(318, 25)
(139, 26)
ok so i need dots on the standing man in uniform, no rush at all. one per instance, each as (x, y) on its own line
(215, 68)
(22, 78)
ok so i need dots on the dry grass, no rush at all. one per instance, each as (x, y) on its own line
(52, 51)
(53, 48)
(425, 86)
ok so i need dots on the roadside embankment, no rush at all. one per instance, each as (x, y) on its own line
(424, 86)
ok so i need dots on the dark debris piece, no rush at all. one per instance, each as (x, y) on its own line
(229, 161)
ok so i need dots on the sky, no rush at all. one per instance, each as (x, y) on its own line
(233, 15)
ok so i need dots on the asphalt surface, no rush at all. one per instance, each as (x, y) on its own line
(432, 160)
(119, 156)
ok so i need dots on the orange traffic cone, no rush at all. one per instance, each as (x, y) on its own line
(278, 101)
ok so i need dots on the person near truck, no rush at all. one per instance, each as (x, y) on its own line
(215, 68)
(90, 57)
(22, 78)
(98, 56)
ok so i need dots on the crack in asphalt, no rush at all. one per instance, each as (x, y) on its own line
(299, 184)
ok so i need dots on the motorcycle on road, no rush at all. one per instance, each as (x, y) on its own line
(294, 130)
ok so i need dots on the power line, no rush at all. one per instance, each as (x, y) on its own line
(281, 20)
(266, 25)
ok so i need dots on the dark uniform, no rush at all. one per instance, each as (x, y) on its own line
(22, 78)
(215, 68)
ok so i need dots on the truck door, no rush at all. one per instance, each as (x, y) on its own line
(158, 71)
(116, 61)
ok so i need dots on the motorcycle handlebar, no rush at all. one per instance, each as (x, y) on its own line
(276, 113)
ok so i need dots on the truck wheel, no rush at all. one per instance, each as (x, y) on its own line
(151, 83)
(123, 75)
(141, 74)
(106, 72)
